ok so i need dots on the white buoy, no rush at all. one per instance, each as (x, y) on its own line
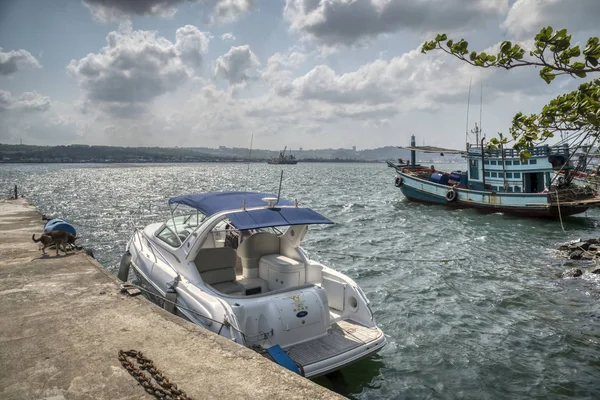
(124, 267)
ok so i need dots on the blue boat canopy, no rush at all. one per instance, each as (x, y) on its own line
(267, 217)
(212, 203)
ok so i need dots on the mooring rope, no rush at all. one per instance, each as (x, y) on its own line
(223, 323)
(559, 214)
(353, 256)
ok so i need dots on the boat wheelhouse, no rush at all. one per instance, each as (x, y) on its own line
(234, 265)
(500, 181)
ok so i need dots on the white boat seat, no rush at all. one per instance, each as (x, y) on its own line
(253, 248)
(233, 288)
(217, 268)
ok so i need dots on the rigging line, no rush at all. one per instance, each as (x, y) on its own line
(481, 108)
(468, 104)
(562, 168)
(444, 260)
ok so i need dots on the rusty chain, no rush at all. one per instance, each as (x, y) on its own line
(164, 390)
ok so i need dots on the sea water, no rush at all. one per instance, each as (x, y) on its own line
(471, 303)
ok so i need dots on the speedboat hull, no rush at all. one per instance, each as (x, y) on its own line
(260, 290)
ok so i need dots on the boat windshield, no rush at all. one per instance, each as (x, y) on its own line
(177, 228)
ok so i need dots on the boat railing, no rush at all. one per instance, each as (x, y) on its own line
(544, 150)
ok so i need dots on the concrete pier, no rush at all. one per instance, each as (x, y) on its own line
(63, 321)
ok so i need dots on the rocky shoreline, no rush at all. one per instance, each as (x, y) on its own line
(585, 250)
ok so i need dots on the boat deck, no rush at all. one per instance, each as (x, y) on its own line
(343, 336)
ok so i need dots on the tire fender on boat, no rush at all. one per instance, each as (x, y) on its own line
(451, 195)
(398, 182)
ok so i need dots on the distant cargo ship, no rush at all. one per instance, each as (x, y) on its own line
(283, 159)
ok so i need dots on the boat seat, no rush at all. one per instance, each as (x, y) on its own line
(217, 268)
(253, 248)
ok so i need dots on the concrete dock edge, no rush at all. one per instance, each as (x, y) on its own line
(63, 321)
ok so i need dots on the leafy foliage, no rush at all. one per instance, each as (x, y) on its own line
(574, 112)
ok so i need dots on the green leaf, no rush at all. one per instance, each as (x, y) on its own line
(505, 46)
(473, 56)
(449, 43)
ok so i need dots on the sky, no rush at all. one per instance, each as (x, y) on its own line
(274, 73)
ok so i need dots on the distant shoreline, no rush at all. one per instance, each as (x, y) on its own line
(188, 161)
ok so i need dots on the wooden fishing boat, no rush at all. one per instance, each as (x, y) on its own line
(500, 181)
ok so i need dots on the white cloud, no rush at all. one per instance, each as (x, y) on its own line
(527, 17)
(118, 10)
(13, 60)
(192, 45)
(230, 10)
(346, 22)
(28, 101)
(227, 36)
(235, 64)
(137, 67)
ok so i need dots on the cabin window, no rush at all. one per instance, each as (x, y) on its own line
(486, 162)
(510, 189)
(494, 162)
(495, 188)
(516, 162)
(532, 161)
(494, 174)
(500, 174)
(517, 175)
(509, 174)
(169, 237)
(517, 189)
(487, 174)
(508, 162)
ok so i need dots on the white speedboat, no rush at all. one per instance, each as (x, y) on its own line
(233, 264)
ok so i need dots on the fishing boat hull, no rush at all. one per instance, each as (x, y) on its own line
(522, 204)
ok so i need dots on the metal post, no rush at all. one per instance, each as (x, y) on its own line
(413, 154)
(16, 193)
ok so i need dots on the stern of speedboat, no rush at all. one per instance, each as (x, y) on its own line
(346, 342)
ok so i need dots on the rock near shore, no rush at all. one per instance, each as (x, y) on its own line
(580, 250)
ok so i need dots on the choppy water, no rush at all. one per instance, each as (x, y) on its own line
(496, 323)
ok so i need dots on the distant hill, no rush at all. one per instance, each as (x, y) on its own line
(112, 154)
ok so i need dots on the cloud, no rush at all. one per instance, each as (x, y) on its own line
(28, 101)
(346, 22)
(230, 10)
(118, 10)
(13, 60)
(137, 67)
(192, 45)
(527, 17)
(227, 36)
(234, 64)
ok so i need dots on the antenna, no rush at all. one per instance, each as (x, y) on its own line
(468, 104)
(249, 158)
(279, 192)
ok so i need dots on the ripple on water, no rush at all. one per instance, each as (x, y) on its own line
(493, 322)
